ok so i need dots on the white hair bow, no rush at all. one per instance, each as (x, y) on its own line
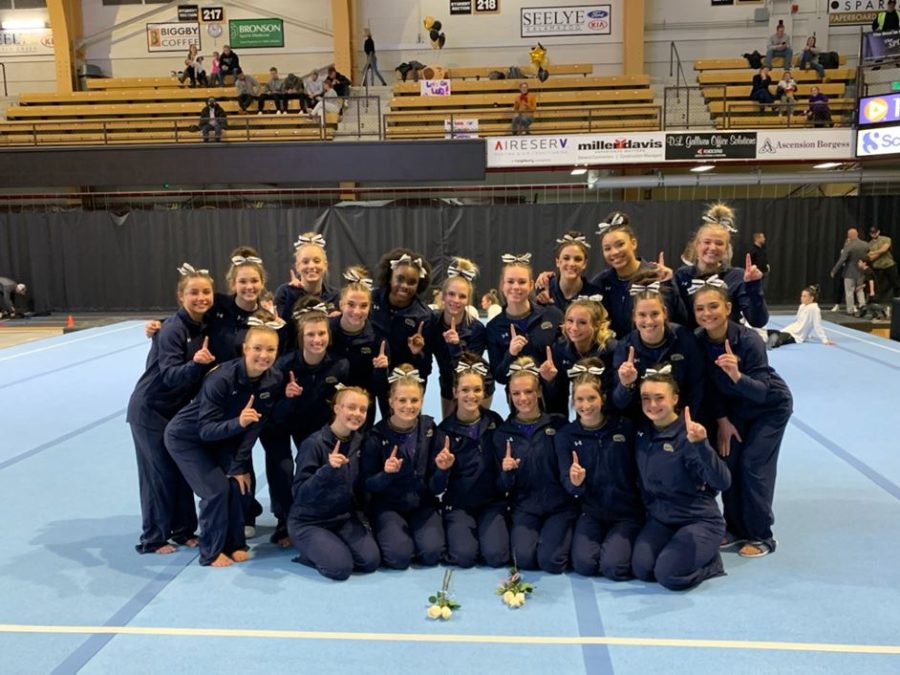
(591, 298)
(316, 239)
(615, 221)
(569, 239)
(187, 269)
(339, 386)
(455, 271)
(577, 370)
(527, 368)
(406, 259)
(714, 280)
(665, 370)
(511, 259)
(399, 374)
(354, 278)
(642, 288)
(241, 260)
(725, 221)
(320, 307)
(276, 324)
(476, 367)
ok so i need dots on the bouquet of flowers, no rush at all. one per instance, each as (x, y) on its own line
(513, 590)
(441, 604)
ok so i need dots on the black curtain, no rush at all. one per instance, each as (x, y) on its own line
(89, 260)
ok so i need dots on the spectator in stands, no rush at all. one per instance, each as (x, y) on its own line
(810, 57)
(884, 268)
(229, 63)
(215, 73)
(294, 89)
(273, 90)
(9, 289)
(340, 83)
(371, 69)
(759, 89)
(247, 89)
(524, 107)
(888, 20)
(779, 45)
(328, 103)
(847, 265)
(315, 88)
(212, 118)
(193, 68)
(759, 256)
(818, 111)
(786, 89)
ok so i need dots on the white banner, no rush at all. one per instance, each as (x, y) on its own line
(627, 148)
(461, 128)
(804, 144)
(879, 141)
(434, 87)
(26, 41)
(172, 37)
(580, 20)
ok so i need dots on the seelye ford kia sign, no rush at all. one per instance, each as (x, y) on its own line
(577, 20)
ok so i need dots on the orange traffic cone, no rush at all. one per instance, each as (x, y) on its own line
(70, 321)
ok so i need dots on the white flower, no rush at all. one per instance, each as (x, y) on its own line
(508, 597)
(434, 612)
(446, 612)
(520, 598)
(514, 603)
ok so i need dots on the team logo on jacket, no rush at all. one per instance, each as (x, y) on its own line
(619, 438)
(668, 447)
(331, 379)
(492, 425)
(550, 431)
(429, 433)
(677, 357)
(365, 350)
(409, 322)
(265, 394)
(547, 325)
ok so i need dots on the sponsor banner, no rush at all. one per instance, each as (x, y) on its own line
(804, 144)
(461, 128)
(630, 148)
(854, 12)
(253, 33)
(579, 20)
(709, 146)
(460, 7)
(30, 41)
(434, 87)
(879, 109)
(878, 46)
(880, 141)
(172, 37)
(188, 13)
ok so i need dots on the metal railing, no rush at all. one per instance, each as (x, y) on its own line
(786, 117)
(3, 71)
(685, 108)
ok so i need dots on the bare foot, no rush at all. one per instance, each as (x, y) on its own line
(166, 549)
(240, 556)
(193, 542)
(222, 561)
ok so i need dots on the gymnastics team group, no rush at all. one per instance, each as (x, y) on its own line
(636, 398)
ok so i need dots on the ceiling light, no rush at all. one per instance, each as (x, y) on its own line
(579, 172)
(703, 168)
(23, 24)
(827, 165)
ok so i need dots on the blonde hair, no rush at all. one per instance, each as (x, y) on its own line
(599, 319)
(309, 235)
(244, 252)
(463, 265)
(407, 378)
(589, 378)
(359, 272)
(352, 389)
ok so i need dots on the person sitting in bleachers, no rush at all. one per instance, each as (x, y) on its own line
(779, 45)
(215, 73)
(212, 118)
(273, 90)
(328, 103)
(295, 90)
(340, 83)
(315, 88)
(229, 63)
(247, 89)
(524, 107)
(193, 68)
(787, 87)
(818, 111)
(809, 57)
(759, 89)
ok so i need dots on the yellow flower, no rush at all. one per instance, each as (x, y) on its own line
(434, 612)
(520, 598)
(508, 597)
(446, 612)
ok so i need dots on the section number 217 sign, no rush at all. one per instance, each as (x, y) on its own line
(212, 14)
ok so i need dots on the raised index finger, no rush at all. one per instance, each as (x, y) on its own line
(337, 447)
(662, 259)
(383, 347)
(687, 415)
(631, 354)
(728, 347)
(575, 458)
(748, 262)
(421, 326)
(249, 403)
(452, 323)
(394, 453)
(206, 343)
(509, 449)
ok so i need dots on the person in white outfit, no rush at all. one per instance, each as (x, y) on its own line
(807, 323)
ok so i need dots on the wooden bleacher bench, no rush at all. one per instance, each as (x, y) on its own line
(741, 63)
(737, 92)
(547, 98)
(463, 72)
(127, 95)
(167, 82)
(557, 84)
(776, 122)
(712, 77)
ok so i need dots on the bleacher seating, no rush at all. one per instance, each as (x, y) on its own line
(159, 110)
(725, 85)
(575, 104)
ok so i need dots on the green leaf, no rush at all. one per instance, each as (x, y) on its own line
(432, 599)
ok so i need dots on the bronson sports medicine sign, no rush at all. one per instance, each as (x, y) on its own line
(251, 33)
